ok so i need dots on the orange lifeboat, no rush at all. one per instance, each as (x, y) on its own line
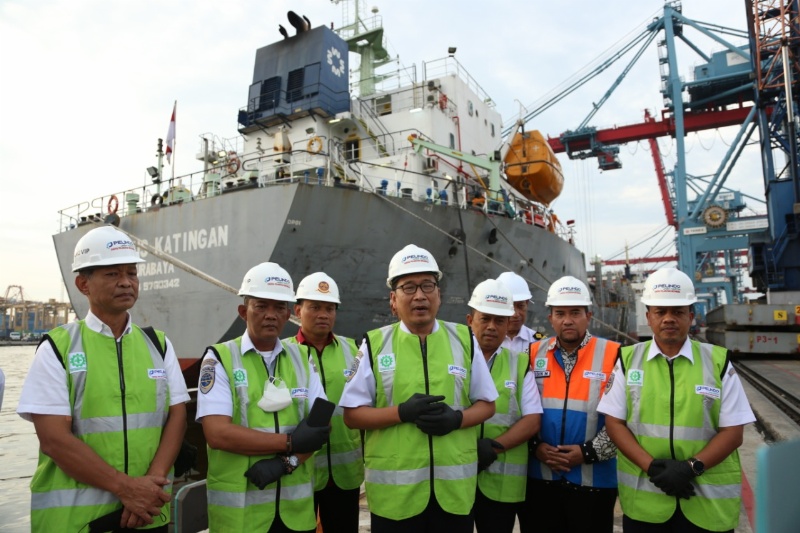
(533, 169)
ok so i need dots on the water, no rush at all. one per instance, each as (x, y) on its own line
(18, 443)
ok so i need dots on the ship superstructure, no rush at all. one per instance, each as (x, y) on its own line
(336, 175)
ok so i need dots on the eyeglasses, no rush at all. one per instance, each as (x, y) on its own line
(411, 288)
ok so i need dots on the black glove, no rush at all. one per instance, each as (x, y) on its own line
(266, 471)
(307, 439)
(655, 468)
(418, 404)
(486, 453)
(440, 422)
(675, 478)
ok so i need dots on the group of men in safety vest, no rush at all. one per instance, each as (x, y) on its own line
(450, 426)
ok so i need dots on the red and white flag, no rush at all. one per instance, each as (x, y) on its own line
(171, 133)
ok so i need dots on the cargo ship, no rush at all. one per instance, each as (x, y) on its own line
(334, 174)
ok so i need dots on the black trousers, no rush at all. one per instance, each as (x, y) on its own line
(678, 523)
(162, 529)
(338, 509)
(433, 519)
(279, 527)
(493, 516)
(562, 507)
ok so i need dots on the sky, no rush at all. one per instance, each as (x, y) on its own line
(88, 86)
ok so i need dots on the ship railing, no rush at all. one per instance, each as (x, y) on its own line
(214, 144)
(447, 66)
(140, 199)
(275, 106)
(408, 99)
(358, 23)
(262, 170)
(387, 81)
(364, 111)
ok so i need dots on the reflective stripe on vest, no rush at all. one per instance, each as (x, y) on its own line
(702, 490)
(234, 503)
(505, 479)
(403, 464)
(240, 500)
(667, 433)
(241, 392)
(58, 501)
(341, 456)
(83, 426)
(387, 378)
(574, 417)
(70, 498)
(660, 431)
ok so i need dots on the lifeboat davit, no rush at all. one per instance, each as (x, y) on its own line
(533, 169)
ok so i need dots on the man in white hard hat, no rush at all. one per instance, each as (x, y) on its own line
(676, 409)
(255, 395)
(572, 468)
(339, 464)
(502, 440)
(418, 388)
(519, 336)
(107, 399)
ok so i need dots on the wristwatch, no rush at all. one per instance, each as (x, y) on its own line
(697, 466)
(290, 463)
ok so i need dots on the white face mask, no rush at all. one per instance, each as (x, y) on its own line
(276, 396)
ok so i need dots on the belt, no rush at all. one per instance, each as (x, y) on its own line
(566, 484)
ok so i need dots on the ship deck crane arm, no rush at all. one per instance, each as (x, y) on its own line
(492, 164)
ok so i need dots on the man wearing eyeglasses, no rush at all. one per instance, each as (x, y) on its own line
(418, 389)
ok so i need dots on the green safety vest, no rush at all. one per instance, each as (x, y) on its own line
(122, 426)
(403, 464)
(678, 410)
(341, 458)
(235, 504)
(506, 478)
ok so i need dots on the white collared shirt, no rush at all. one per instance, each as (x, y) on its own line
(734, 410)
(219, 400)
(360, 390)
(522, 341)
(45, 390)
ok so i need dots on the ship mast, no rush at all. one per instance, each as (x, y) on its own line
(364, 36)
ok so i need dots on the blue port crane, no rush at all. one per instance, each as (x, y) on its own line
(774, 29)
(709, 217)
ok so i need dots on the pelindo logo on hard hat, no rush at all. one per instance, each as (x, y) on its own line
(667, 287)
(415, 258)
(120, 245)
(277, 280)
(569, 290)
(495, 298)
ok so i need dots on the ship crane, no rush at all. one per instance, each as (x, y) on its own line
(708, 216)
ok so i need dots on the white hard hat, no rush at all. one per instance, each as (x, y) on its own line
(269, 281)
(318, 286)
(567, 292)
(412, 260)
(516, 284)
(104, 246)
(493, 298)
(668, 287)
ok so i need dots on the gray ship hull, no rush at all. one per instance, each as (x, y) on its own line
(349, 234)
